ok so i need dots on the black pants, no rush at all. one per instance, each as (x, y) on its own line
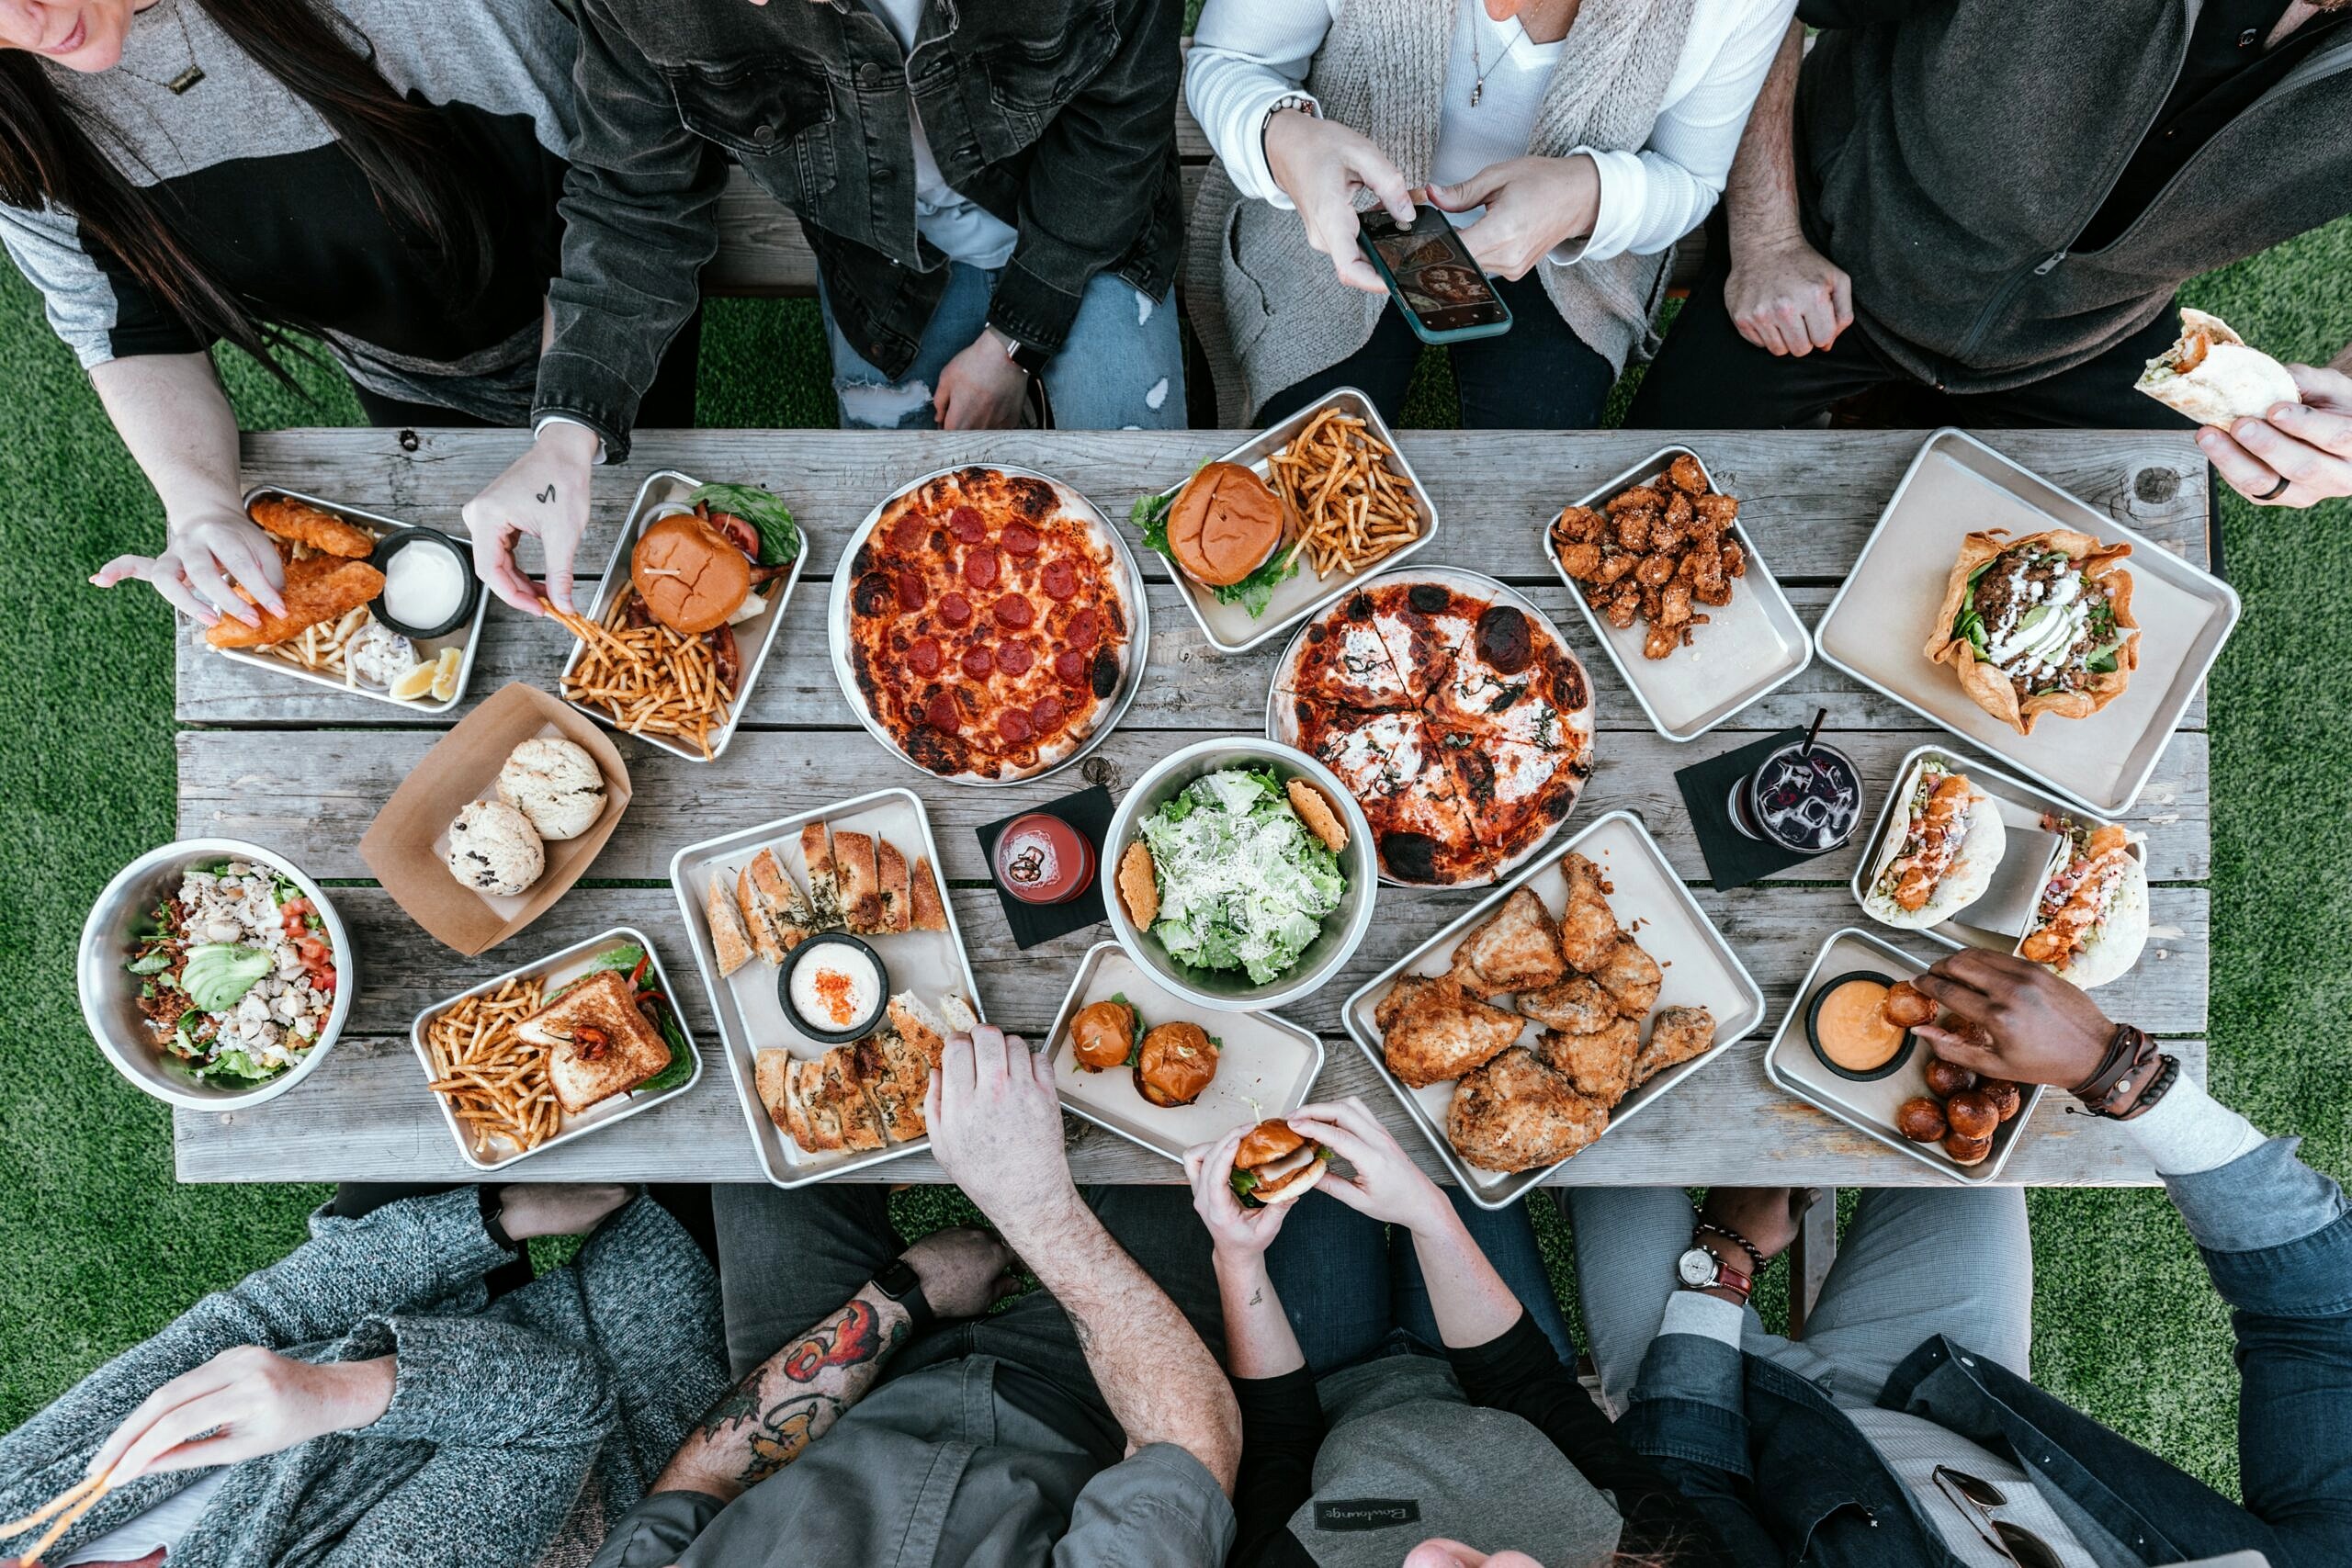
(668, 404)
(1538, 375)
(688, 1203)
(789, 1259)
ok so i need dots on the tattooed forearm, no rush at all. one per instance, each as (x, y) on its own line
(784, 1429)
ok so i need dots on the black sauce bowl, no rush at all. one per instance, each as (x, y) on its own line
(809, 1026)
(1887, 1068)
(400, 539)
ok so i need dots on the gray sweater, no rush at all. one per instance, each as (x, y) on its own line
(518, 1430)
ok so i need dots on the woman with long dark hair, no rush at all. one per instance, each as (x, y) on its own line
(380, 175)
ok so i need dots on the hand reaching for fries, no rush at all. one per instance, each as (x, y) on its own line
(252, 1401)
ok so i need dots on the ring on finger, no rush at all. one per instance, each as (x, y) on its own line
(2275, 492)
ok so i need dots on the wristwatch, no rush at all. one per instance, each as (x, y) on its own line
(1703, 1268)
(493, 1217)
(899, 1281)
(1028, 356)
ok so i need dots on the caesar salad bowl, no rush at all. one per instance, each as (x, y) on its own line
(1232, 990)
(125, 912)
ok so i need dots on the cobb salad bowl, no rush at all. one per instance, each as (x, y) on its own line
(125, 914)
(1319, 961)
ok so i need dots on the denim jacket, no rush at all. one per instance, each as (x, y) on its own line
(1787, 1479)
(1059, 116)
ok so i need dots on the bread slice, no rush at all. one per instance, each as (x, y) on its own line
(598, 1043)
(728, 942)
(815, 1112)
(769, 899)
(929, 909)
(861, 882)
(824, 889)
(919, 1026)
(843, 1094)
(772, 1077)
(896, 1076)
(898, 897)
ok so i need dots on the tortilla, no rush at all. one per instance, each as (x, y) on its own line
(1985, 683)
(2114, 947)
(2231, 381)
(1964, 881)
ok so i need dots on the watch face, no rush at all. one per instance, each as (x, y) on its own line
(1696, 1267)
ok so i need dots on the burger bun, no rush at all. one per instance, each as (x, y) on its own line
(1224, 524)
(691, 576)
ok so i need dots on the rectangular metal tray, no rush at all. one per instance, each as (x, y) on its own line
(751, 1017)
(1701, 971)
(1882, 618)
(1747, 648)
(753, 639)
(1266, 1064)
(468, 637)
(555, 967)
(2020, 804)
(1230, 629)
(1869, 1108)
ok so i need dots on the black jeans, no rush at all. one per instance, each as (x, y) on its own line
(788, 1260)
(1538, 375)
(668, 404)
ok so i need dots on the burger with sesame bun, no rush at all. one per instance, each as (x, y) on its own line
(1276, 1164)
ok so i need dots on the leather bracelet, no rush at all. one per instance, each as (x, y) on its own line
(1755, 1254)
(2127, 1050)
(2158, 1086)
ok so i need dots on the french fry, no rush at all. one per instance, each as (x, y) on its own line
(1351, 507)
(649, 680)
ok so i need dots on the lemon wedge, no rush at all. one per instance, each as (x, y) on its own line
(414, 682)
(445, 674)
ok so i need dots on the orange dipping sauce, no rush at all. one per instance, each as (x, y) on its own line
(1853, 1029)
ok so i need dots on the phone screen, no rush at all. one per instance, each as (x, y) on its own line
(1433, 274)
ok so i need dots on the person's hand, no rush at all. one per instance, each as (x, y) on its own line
(1785, 296)
(1532, 205)
(1236, 1233)
(529, 1209)
(1437, 1552)
(2309, 444)
(1387, 1185)
(207, 557)
(996, 1129)
(252, 1401)
(981, 389)
(964, 1271)
(543, 492)
(1320, 166)
(2043, 1029)
(1767, 1216)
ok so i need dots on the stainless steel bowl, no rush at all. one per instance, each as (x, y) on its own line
(1343, 928)
(111, 993)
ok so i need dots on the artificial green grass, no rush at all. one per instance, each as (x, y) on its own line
(105, 1247)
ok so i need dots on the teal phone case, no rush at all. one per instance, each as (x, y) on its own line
(1412, 317)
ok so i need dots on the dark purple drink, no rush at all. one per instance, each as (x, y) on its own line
(1807, 802)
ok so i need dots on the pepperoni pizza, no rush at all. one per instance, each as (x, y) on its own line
(990, 624)
(1459, 721)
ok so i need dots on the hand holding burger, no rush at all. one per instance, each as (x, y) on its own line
(1238, 1233)
(1386, 1184)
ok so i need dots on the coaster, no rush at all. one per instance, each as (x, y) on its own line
(1734, 860)
(1089, 811)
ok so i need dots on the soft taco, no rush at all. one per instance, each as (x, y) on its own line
(2092, 920)
(1938, 854)
(2213, 376)
(2040, 625)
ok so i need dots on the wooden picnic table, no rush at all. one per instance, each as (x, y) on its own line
(303, 771)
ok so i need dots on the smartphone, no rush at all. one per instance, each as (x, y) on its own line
(1444, 295)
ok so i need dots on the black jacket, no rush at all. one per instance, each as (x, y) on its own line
(1056, 116)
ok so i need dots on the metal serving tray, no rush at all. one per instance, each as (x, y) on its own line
(1876, 626)
(1701, 970)
(1870, 1107)
(749, 1015)
(1132, 667)
(1266, 1064)
(1747, 648)
(753, 639)
(1231, 629)
(2021, 805)
(558, 969)
(468, 637)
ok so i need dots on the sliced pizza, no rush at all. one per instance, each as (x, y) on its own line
(1540, 699)
(1513, 795)
(1388, 762)
(1341, 660)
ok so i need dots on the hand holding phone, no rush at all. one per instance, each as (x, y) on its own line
(1446, 297)
(1320, 166)
(1532, 206)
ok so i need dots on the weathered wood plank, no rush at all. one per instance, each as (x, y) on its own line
(1187, 686)
(367, 1115)
(312, 794)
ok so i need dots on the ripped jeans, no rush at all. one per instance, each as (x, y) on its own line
(1122, 367)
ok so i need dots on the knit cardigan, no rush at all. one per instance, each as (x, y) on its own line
(518, 1431)
(1381, 70)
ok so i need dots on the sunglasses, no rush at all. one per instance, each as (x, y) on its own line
(1976, 1499)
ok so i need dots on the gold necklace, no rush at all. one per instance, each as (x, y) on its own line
(181, 83)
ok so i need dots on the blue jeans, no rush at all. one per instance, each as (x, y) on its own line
(1353, 1289)
(1122, 368)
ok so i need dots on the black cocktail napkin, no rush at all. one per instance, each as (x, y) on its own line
(1734, 860)
(1089, 811)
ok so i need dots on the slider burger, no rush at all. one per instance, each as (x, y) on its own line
(1938, 857)
(1224, 524)
(1276, 1164)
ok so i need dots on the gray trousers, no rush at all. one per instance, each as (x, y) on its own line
(1915, 1262)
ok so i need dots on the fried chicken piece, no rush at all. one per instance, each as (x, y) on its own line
(303, 523)
(1588, 926)
(1662, 642)
(1515, 949)
(1656, 570)
(1633, 529)
(1432, 1029)
(1625, 606)
(1674, 604)
(318, 589)
(1515, 1114)
(1599, 1065)
(1685, 475)
(1637, 496)
(1576, 1005)
(1715, 512)
(1581, 561)
(1679, 514)
(1631, 976)
(1670, 533)
(1679, 1034)
(1735, 559)
(1579, 525)
(1652, 604)
(1615, 565)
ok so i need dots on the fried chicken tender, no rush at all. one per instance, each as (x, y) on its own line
(1662, 642)
(1715, 511)
(1679, 1034)
(1599, 1065)
(1678, 515)
(1432, 1029)
(1589, 927)
(318, 587)
(1631, 976)
(1674, 604)
(1576, 1005)
(1515, 1114)
(306, 524)
(1581, 561)
(1515, 949)
(1656, 570)
(1685, 475)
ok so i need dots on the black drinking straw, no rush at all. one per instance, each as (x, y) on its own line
(1805, 751)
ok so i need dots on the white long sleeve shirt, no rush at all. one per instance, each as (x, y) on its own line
(1248, 55)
